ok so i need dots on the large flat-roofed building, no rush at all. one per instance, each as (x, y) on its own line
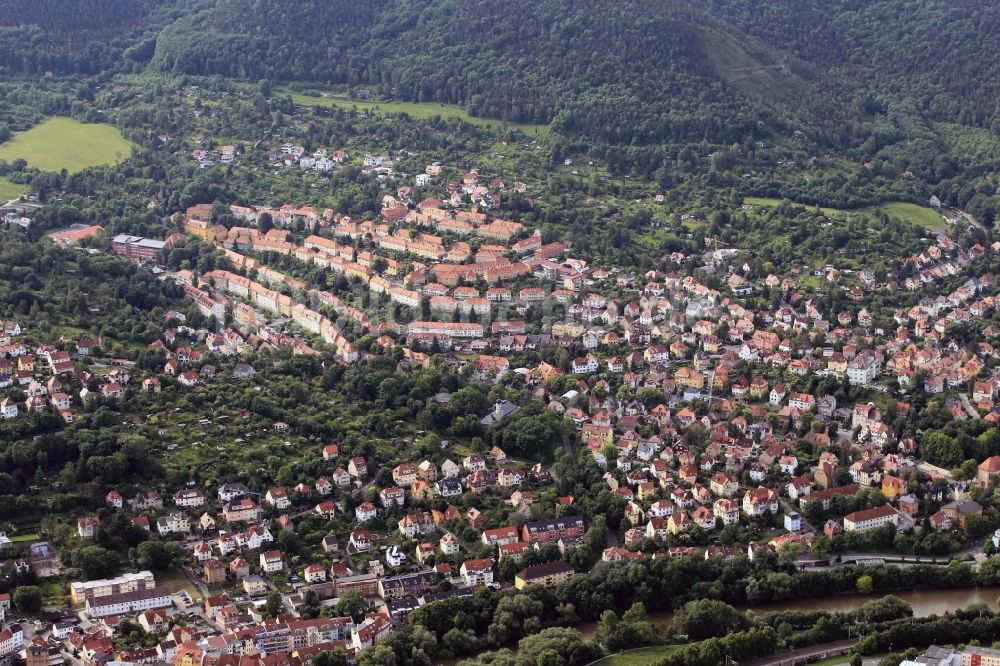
(548, 574)
(455, 330)
(137, 247)
(367, 584)
(936, 655)
(407, 585)
(129, 602)
(130, 582)
(541, 531)
(980, 656)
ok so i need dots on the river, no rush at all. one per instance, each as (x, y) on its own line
(923, 602)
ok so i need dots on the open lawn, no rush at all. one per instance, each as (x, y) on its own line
(22, 538)
(928, 218)
(638, 657)
(419, 110)
(921, 216)
(175, 580)
(54, 596)
(9, 190)
(64, 143)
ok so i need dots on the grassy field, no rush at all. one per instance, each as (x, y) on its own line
(54, 595)
(638, 657)
(921, 216)
(768, 202)
(64, 143)
(176, 580)
(21, 538)
(419, 110)
(9, 190)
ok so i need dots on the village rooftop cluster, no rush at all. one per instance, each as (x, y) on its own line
(470, 282)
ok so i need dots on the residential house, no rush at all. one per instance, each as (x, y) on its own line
(477, 572)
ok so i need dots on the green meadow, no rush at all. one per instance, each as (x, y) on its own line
(921, 216)
(63, 143)
(418, 110)
(638, 657)
(9, 190)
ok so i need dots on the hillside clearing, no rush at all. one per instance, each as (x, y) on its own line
(928, 218)
(921, 216)
(418, 110)
(769, 202)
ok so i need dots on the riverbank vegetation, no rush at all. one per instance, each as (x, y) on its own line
(619, 598)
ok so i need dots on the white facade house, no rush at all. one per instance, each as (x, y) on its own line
(869, 519)
(278, 498)
(314, 573)
(126, 603)
(450, 544)
(11, 640)
(864, 369)
(129, 582)
(8, 409)
(477, 572)
(793, 522)
(172, 524)
(255, 537)
(585, 365)
(231, 491)
(272, 561)
(189, 498)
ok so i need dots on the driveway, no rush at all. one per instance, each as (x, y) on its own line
(969, 409)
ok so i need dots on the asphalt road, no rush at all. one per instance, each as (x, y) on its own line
(975, 549)
(797, 656)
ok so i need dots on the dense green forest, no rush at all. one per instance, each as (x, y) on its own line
(936, 54)
(629, 72)
(524, 62)
(79, 36)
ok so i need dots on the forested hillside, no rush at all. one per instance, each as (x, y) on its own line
(628, 72)
(633, 70)
(940, 54)
(75, 36)
(637, 70)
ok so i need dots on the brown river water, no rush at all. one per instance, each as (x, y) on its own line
(924, 602)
